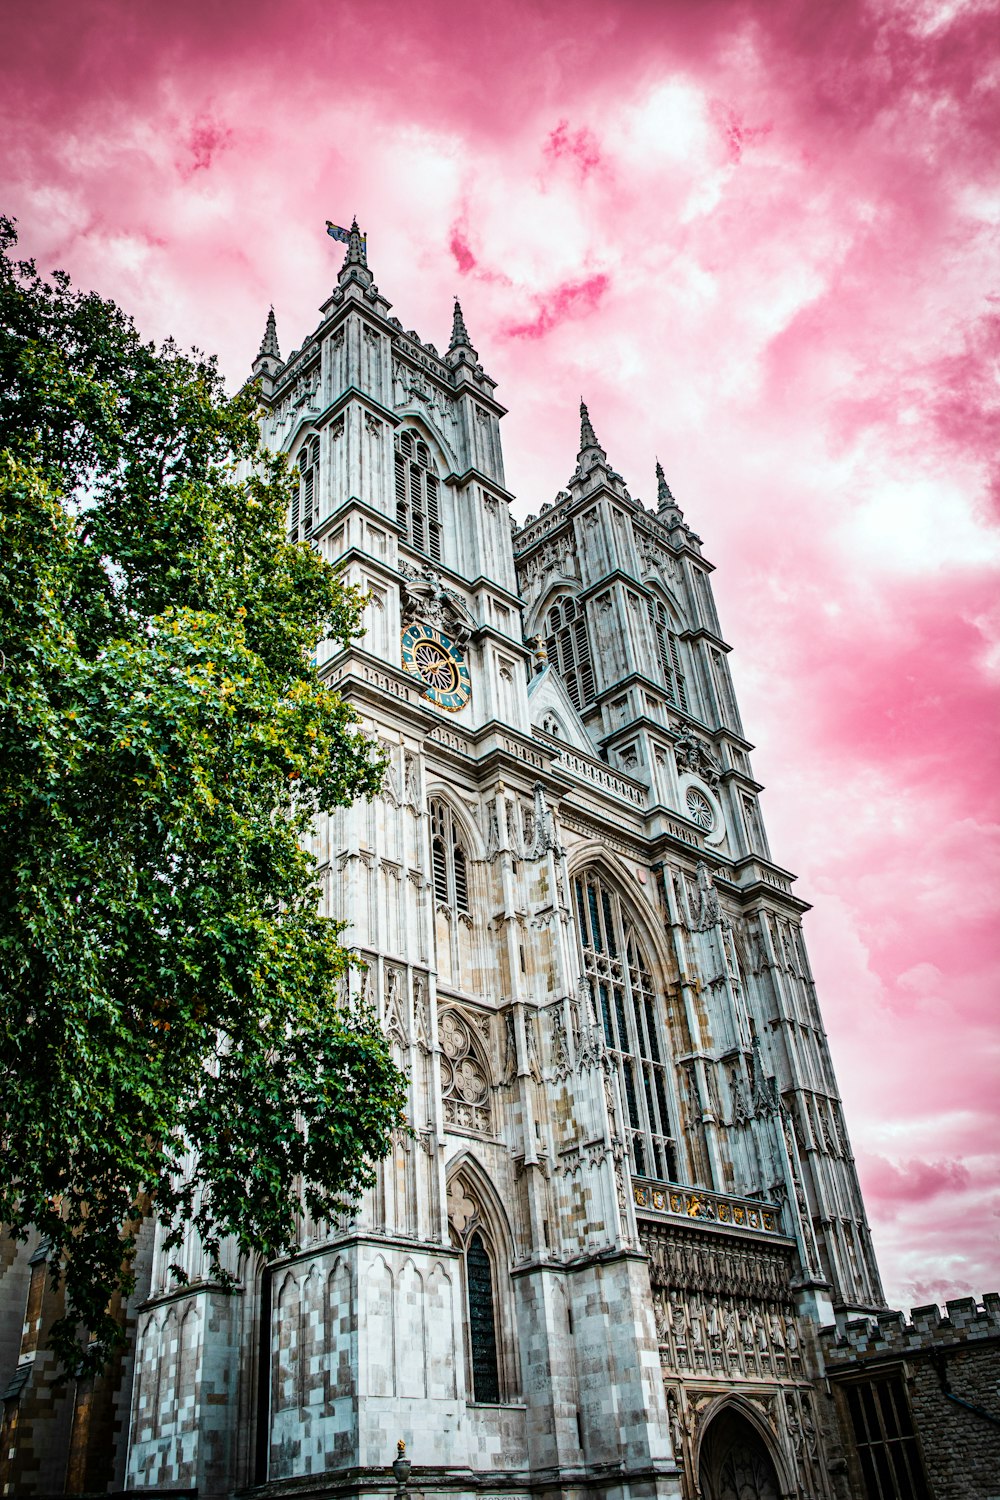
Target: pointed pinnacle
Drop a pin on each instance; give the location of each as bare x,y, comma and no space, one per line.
357,254
269,343
588,437
459,333
664,495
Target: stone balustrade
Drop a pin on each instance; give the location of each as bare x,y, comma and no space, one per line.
697,1204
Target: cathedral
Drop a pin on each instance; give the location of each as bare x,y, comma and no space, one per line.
623,1252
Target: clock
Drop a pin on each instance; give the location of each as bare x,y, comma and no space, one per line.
438,665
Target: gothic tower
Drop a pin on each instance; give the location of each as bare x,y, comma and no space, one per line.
629,1199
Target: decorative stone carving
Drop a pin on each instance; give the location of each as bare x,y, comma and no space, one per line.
709,911
555,558
465,1086
390,786
654,558
462,1209
426,598
558,1047
394,1019
421,1013
411,781
694,755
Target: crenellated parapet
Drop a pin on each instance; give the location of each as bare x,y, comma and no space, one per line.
964,1321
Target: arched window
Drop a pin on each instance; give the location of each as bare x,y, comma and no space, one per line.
482,1321
628,1007
668,650
417,506
488,1332
448,863
305,501
568,647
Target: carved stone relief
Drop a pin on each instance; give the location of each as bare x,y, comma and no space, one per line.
465,1086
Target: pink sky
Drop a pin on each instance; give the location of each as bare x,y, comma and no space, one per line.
759,238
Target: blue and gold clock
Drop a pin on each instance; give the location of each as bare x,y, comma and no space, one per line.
438,665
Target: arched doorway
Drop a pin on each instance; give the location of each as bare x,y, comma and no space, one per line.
735,1463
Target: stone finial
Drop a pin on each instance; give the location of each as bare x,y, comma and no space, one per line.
588,437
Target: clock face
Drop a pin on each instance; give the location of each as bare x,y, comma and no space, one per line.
438,665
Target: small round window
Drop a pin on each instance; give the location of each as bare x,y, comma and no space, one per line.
699,809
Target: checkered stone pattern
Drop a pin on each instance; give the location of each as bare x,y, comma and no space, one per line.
313,1353
184,1393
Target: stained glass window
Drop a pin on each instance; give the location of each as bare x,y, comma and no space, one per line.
482,1322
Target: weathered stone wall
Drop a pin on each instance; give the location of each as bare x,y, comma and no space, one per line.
939,1356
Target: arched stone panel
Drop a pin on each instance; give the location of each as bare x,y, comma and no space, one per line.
411,1340
380,1330
738,1457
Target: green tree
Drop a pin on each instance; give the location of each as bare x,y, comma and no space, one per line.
170,1029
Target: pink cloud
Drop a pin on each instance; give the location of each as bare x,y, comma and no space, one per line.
809,341
578,146
205,139
459,247
911,1181
574,299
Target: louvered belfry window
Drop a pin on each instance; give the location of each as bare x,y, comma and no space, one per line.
304,510
628,1009
449,867
568,646
668,650
418,510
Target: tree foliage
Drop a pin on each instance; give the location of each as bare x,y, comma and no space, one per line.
170,1027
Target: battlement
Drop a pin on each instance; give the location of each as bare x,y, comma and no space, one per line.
964,1322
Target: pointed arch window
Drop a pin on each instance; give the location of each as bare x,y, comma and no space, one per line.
568,646
449,866
482,1321
668,649
489,1330
629,1011
418,508
305,500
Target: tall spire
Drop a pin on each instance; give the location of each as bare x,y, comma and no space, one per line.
666,506
269,343
355,268
459,333
357,249
268,361
588,437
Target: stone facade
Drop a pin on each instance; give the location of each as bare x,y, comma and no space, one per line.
600,1263
920,1395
